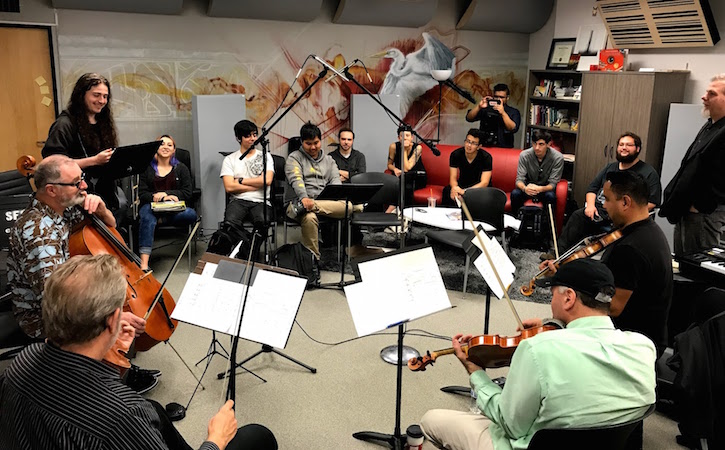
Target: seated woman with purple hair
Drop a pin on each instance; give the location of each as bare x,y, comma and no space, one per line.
165,180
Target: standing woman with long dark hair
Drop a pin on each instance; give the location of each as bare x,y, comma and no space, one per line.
85,132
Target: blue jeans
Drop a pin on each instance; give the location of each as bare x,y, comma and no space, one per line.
519,197
148,220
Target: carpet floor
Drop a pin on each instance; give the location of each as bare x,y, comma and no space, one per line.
451,262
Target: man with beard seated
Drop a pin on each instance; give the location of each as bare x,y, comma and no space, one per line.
593,219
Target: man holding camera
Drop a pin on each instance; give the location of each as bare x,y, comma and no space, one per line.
499,121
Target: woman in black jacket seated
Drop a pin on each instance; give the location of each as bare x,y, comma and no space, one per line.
165,180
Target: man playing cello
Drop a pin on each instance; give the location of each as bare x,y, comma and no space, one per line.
39,244
588,374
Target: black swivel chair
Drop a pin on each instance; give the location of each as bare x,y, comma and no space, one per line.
374,215
485,205
611,437
12,337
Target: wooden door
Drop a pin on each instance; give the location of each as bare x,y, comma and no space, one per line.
595,118
633,107
27,97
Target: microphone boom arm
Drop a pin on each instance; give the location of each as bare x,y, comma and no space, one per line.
462,92
427,142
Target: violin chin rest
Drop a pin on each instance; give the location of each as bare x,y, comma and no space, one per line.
175,411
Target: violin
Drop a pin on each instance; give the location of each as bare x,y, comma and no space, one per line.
145,296
591,246
487,350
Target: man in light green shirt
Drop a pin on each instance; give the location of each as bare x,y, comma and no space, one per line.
588,374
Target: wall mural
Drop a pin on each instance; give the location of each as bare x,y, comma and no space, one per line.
154,94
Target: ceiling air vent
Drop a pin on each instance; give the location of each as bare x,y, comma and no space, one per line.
659,23
10,6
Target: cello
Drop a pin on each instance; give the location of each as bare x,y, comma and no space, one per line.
145,296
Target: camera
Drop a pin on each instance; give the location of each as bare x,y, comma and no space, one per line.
493,103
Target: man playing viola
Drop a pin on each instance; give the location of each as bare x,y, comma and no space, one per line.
640,260
59,394
588,374
39,241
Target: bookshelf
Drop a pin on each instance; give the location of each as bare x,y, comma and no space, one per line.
551,105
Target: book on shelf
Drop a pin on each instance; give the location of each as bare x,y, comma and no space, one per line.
555,89
550,116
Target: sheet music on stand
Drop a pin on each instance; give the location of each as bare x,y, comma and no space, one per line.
396,287
504,266
213,303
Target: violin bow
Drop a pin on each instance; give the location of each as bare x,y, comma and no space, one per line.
231,389
490,261
553,231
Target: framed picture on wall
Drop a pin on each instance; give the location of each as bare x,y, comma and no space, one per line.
560,54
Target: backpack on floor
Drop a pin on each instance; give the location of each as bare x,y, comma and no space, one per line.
296,257
223,241
533,229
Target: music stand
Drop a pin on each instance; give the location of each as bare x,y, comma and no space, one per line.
131,159
396,287
351,193
266,348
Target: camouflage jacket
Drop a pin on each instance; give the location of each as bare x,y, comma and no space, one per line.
38,244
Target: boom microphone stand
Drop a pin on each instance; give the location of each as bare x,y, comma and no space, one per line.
427,142
392,354
262,139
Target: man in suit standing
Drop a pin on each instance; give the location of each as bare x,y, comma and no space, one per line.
695,198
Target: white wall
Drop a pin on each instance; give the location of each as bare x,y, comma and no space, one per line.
702,63
143,51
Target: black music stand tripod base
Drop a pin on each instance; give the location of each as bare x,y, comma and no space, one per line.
266,349
355,194
213,349
396,440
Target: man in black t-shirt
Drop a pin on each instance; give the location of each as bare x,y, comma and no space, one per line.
640,260
470,168
593,219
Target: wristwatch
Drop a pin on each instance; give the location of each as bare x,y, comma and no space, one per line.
241,179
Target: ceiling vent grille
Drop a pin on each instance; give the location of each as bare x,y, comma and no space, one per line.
11,6
659,23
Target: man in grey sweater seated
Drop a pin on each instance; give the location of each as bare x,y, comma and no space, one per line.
308,171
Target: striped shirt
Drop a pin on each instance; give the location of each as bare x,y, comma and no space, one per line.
53,399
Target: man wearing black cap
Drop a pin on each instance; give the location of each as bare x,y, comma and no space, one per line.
588,374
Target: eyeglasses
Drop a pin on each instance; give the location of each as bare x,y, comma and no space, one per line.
77,184
501,97
470,142
623,144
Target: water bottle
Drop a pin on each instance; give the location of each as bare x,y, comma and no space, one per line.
414,438
474,406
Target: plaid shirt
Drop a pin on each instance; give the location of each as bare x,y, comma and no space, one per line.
38,244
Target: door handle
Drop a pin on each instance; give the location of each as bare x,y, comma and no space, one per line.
605,151
611,151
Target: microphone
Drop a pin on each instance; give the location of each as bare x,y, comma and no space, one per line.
343,70
461,92
329,67
433,148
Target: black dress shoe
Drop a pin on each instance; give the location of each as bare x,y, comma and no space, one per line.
175,411
153,372
139,382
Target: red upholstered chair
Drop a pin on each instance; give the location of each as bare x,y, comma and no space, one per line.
503,176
